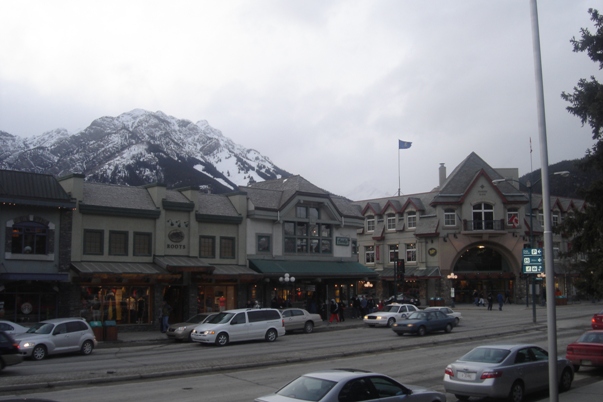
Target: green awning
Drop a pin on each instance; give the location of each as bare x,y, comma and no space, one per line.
312,269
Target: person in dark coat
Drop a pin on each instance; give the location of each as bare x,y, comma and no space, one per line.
334,310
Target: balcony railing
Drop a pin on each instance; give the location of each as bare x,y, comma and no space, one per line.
480,225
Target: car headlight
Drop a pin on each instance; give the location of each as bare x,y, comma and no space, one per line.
28,344
209,332
180,329
411,325
379,317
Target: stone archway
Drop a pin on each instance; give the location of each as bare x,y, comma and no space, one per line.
484,267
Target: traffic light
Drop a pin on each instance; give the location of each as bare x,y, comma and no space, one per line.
400,270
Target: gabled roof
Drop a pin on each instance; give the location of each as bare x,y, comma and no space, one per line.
117,196
373,207
33,189
415,202
276,194
216,205
464,176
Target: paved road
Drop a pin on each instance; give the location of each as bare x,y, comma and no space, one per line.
135,362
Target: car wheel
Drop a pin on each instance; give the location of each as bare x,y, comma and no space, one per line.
222,339
576,368
189,338
87,348
448,328
39,352
456,321
271,335
391,322
461,397
566,380
516,393
309,327
422,331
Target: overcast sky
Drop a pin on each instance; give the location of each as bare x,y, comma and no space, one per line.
324,88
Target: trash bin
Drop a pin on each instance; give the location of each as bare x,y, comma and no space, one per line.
97,328
110,331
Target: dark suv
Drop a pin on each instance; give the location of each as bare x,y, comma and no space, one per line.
9,351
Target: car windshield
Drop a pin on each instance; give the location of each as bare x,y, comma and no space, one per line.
392,309
486,355
220,318
40,328
417,316
591,337
307,388
197,318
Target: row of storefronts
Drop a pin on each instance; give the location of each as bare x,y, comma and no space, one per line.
115,253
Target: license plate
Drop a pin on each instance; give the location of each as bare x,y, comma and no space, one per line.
465,376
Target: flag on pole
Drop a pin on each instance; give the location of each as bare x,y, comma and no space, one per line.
404,144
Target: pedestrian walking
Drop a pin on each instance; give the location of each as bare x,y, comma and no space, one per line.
166,309
334,309
501,300
490,300
341,311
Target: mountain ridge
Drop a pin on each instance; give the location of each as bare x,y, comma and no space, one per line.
141,147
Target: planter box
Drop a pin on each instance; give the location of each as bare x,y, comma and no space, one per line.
561,301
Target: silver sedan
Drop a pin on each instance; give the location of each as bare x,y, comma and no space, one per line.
504,371
347,385
300,320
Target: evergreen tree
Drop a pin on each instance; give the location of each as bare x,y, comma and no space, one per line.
585,228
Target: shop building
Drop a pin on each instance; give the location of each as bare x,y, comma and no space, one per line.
36,215
473,225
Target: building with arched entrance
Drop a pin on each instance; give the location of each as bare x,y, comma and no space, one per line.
474,225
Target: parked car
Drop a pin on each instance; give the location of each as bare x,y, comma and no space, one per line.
182,331
11,328
300,319
390,315
449,312
404,299
344,385
9,351
586,350
240,325
59,335
597,320
504,371
422,322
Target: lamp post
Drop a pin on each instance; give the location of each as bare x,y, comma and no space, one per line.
452,277
530,187
285,281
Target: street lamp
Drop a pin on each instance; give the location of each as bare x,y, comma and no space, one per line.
452,277
530,187
286,280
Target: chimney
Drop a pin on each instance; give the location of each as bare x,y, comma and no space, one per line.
442,174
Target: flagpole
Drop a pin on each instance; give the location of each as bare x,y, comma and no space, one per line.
398,170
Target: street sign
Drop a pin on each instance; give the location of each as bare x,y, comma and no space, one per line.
532,260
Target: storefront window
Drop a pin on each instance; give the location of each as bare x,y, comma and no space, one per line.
126,305
28,303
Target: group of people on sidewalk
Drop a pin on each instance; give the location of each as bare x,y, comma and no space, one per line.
479,299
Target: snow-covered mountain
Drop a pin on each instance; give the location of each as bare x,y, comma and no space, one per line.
141,147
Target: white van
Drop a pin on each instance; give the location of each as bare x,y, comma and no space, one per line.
240,325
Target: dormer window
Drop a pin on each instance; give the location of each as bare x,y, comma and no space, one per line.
391,222
370,224
411,219
555,218
449,217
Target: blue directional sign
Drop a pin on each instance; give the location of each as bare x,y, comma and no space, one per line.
532,260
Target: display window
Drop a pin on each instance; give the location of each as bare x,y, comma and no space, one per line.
124,305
